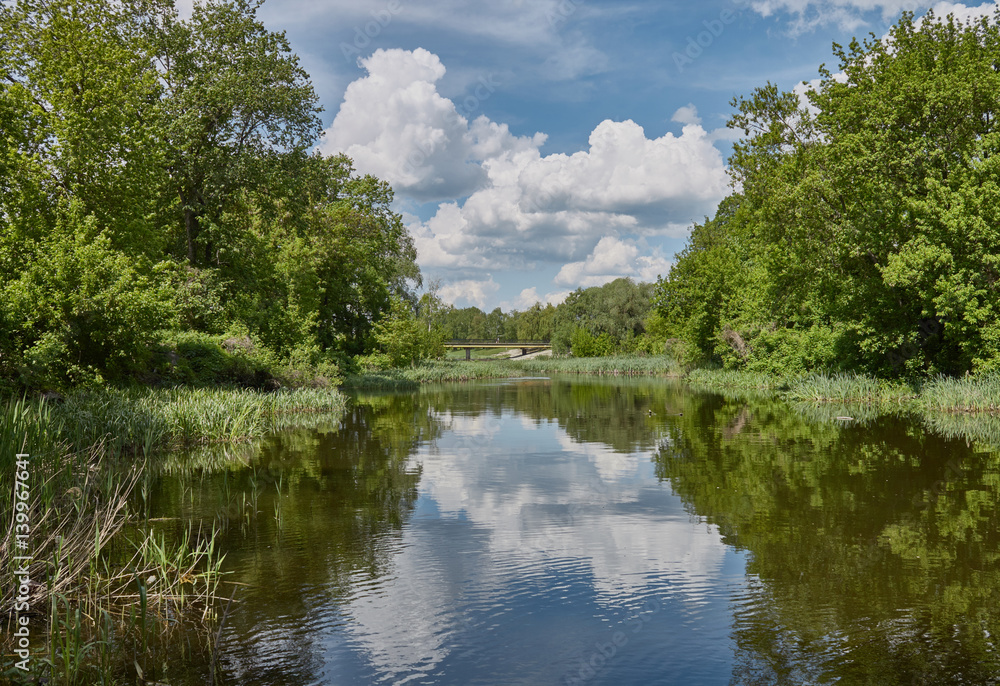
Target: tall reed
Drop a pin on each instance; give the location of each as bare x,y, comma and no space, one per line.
139,421
446,370
849,388
962,394
87,455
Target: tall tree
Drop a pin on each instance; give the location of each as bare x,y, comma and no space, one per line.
235,101
867,219
78,73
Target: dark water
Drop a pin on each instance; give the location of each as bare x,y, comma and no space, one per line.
587,531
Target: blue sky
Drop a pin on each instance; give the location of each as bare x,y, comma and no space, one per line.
538,146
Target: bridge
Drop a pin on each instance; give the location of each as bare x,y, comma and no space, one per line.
525,347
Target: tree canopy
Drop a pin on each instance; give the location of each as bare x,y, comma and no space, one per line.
157,175
600,320
864,233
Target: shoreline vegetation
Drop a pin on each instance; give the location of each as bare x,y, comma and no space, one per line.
89,455
163,289
953,395
964,395
437,371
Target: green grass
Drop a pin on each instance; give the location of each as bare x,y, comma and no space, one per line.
849,388
446,370
83,473
734,379
623,365
940,395
962,394
140,421
458,354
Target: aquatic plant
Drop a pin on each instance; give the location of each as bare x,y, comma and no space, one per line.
848,388
440,371
962,394
731,378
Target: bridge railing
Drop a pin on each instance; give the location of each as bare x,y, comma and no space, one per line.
498,342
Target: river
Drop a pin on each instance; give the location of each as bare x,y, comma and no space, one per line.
600,531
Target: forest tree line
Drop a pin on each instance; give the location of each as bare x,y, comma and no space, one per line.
159,197
164,216
616,318
863,233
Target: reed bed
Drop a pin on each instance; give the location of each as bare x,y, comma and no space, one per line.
962,394
624,365
973,394
849,388
445,370
83,472
853,414
111,627
146,420
735,379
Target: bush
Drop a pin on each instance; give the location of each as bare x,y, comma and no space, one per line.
401,340
783,351
200,359
80,311
584,344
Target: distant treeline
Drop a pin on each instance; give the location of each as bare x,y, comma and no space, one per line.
865,231
615,318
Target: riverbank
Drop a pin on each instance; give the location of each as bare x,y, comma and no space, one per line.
940,394
90,452
964,395
83,460
442,370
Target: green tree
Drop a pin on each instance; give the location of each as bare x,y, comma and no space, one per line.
80,98
178,148
865,232
401,340
83,310
616,309
82,175
536,323
237,112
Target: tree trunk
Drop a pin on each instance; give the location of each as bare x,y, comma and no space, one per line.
191,229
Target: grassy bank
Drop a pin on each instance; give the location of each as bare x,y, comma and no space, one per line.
940,394
980,394
445,370
86,454
140,421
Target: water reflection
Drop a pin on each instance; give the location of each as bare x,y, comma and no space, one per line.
873,548
601,531
315,515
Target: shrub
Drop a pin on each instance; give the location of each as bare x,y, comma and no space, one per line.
199,359
80,310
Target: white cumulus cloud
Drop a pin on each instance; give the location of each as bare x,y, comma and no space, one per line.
506,204
469,292
612,259
394,124
529,297
687,115
848,15
965,13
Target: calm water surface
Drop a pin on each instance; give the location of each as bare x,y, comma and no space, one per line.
588,531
